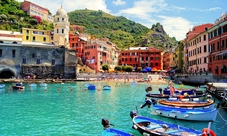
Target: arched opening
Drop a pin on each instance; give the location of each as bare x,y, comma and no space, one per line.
14,42
216,70
1,42
223,69
6,74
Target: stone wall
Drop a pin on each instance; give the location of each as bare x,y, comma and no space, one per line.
39,61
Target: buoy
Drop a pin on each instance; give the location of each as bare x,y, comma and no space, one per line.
207,132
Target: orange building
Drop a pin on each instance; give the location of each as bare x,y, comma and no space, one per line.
141,57
218,47
166,61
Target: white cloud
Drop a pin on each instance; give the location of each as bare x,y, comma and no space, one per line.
143,8
119,2
176,26
71,5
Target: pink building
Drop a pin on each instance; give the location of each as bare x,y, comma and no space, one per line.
197,49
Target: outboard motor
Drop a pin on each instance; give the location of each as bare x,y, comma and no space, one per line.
160,90
133,114
105,123
148,103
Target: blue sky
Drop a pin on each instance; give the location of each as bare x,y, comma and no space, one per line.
177,16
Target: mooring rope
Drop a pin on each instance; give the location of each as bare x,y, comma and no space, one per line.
222,117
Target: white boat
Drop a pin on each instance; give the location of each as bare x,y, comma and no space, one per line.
18,86
2,86
106,87
43,84
32,85
185,113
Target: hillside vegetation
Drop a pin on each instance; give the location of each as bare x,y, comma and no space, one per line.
125,33
13,18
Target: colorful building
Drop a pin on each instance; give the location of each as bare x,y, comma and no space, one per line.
98,52
141,57
36,35
198,53
10,37
196,41
61,28
218,47
33,9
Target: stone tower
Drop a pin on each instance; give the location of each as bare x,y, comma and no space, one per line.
61,28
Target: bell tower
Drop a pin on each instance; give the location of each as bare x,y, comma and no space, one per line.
61,28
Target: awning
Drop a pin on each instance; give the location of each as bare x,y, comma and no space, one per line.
221,53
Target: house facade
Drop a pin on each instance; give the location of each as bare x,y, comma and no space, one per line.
218,47
33,9
141,57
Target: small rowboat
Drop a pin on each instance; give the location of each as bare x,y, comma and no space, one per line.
185,113
189,104
43,84
2,86
106,87
152,127
33,85
18,86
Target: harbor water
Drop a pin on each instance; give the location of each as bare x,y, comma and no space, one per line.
70,109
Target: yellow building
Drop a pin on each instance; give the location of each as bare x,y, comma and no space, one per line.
35,35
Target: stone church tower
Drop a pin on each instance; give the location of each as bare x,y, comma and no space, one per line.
61,28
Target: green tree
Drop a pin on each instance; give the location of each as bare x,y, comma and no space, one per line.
128,68
105,67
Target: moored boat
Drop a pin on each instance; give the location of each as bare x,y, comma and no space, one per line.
32,85
43,84
106,87
185,113
91,87
152,127
187,104
108,131
18,86
2,86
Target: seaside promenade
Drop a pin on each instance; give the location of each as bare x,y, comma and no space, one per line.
139,77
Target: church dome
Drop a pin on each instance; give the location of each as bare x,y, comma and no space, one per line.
61,12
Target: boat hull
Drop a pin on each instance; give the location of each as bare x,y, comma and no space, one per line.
152,127
114,132
185,114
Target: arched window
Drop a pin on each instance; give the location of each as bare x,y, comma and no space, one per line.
1,42
223,69
14,42
216,70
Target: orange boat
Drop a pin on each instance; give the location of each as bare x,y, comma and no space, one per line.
187,104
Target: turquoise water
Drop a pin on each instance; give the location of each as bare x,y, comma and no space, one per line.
76,111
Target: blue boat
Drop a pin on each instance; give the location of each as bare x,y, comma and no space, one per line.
152,127
185,113
91,87
2,86
106,87
108,131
